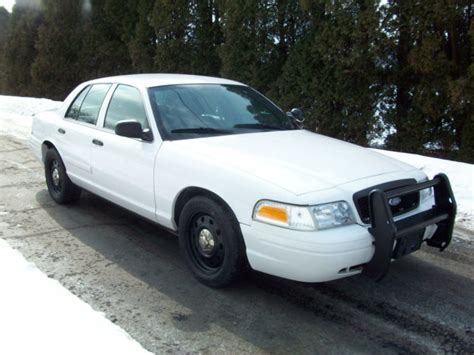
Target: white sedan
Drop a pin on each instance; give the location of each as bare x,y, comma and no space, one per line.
240,181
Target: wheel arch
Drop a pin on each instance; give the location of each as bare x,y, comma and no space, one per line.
45,146
192,191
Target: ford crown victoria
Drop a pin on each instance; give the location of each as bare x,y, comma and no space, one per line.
240,181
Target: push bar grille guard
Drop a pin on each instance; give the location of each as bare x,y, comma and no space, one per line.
391,237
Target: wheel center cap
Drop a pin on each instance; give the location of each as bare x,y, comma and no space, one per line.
206,241
55,176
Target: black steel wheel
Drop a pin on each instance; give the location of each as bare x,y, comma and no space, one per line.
60,187
206,243
211,242
56,176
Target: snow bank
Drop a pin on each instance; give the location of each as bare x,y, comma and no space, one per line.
39,316
16,113
15,119
461,176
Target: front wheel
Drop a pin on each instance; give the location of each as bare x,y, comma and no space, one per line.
211,242
60,187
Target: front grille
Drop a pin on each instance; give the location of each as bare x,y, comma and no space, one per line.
405,204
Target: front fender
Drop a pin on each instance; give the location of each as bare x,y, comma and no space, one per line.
176,170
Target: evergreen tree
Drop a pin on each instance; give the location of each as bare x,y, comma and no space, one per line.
142,45
207,37
466,151
19,47
332,72
429,77
172,24
285,23
4,18
56,69
352,65
239,53
107,30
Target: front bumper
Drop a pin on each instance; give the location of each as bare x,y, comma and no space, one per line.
307,256
393,239
345,251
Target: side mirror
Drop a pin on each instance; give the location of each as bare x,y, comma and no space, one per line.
297,115
132,129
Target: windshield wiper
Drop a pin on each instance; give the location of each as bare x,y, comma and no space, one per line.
258,126
201,130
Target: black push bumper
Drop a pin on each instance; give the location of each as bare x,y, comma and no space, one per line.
396,239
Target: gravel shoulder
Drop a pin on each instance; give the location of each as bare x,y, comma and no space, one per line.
131,270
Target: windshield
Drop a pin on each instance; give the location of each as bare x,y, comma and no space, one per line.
184,111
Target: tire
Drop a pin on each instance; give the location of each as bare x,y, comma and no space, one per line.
211,242
60,187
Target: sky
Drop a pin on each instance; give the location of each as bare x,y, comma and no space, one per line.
8,4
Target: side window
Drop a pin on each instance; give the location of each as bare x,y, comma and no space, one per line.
126,104
73,111
86,105
91,104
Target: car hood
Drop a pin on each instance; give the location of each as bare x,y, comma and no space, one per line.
298,161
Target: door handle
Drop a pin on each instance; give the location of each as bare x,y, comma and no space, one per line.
62,131
98,142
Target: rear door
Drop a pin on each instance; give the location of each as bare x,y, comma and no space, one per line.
76,130
122,167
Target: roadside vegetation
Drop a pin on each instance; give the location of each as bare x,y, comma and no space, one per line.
401,70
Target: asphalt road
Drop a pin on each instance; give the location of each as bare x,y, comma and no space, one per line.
132,270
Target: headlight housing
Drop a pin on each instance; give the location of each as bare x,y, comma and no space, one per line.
304,218
426,193
332,215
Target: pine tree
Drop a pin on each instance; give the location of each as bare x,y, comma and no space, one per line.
239,53
352,65
106,32
56,69
285,23
207,37
4,19
171,21
142,45
332,72
466,151
431,96
19,47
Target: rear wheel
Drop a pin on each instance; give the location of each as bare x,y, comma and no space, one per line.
211,242
60,187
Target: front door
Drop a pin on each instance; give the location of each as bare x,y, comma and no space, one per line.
122,167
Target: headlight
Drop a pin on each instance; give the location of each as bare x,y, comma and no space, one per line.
426,193
332,215
304,218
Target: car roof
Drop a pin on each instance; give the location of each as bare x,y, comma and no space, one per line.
151,80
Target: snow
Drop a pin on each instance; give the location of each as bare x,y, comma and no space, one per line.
16,113
461,176
39,316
